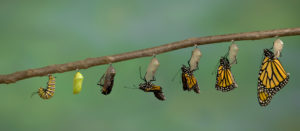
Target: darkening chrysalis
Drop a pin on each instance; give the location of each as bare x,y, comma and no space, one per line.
107,80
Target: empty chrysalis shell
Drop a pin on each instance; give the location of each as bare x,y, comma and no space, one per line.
277,47
152,67
195,59
77,83
233,50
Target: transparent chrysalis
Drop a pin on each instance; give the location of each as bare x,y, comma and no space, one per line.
152,67
195,58
277,47
233,51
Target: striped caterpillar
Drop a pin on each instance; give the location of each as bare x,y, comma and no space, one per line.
47,93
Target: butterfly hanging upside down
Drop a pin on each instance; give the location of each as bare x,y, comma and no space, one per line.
189,81
47,93
225,80
150,87
149,77
272,78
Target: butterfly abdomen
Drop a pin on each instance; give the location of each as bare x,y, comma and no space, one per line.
160,96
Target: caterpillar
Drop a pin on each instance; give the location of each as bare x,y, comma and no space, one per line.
47,93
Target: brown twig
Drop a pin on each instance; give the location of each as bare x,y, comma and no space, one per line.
89,62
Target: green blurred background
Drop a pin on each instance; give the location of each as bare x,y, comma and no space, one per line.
35,34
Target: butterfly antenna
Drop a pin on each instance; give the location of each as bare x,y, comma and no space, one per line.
262,57
272,45
175,75
215,70
140,70
227,53
153,79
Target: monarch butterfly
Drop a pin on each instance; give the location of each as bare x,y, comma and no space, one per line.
107,80
271,78
150,87
225,80
47,93
189,82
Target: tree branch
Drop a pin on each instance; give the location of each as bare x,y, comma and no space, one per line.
90,62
